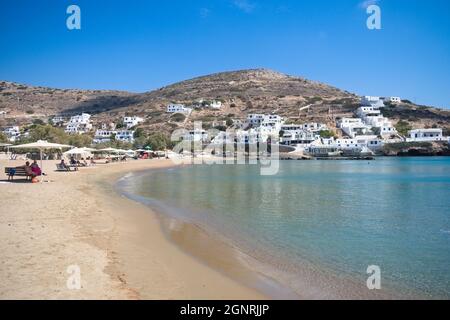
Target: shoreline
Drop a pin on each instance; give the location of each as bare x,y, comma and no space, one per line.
118,244
251,266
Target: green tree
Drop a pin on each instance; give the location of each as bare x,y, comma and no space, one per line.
3,138
159,141
79,140
326,134
403,127
178,117
38,122
139,132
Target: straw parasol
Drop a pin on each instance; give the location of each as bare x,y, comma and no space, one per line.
78,151
41,145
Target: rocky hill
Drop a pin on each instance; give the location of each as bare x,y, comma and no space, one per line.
241,92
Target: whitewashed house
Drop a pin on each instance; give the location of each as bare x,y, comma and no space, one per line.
216,105
425,135
372,117
12,133
315,127
255,120
393,100
197,135
372,101
79,124
58,120
178,108
353,127
131,122
102,136
125,136
300,137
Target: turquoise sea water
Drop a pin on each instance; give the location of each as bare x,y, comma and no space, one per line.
340,215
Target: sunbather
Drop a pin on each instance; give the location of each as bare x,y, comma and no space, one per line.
64,165
28,169
35,169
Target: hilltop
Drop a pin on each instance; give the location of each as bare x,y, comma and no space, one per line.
241,92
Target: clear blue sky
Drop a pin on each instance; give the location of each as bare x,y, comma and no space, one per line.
139,45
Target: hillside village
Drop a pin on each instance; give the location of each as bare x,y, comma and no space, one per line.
245,107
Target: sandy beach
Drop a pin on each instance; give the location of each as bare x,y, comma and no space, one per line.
77,219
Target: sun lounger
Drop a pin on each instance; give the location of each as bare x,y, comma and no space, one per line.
60,167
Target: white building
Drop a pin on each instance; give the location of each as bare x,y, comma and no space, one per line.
215,105
57,120
102,136
178,108
12,133
315,127
425,135
125,136
372,117
79,124
255,120
209,104
369,100
131,122
394,100
354,127
239,136
196,135
298,137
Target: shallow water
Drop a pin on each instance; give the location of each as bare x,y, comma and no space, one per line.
341,216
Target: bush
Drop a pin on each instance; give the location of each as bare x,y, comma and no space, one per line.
326,134
29,111
403,127
159,141
178,117
3,138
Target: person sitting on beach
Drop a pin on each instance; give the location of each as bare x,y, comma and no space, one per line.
73,162
35,169
28,169
64,165
93,161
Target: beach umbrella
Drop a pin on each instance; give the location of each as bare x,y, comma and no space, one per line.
77,151
108,150
5,144
41,145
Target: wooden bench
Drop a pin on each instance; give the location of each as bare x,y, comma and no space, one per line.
20,172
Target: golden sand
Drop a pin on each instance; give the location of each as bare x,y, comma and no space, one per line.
77,219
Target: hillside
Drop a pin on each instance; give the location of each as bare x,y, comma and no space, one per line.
242,92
